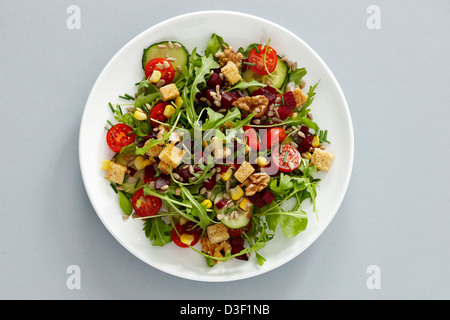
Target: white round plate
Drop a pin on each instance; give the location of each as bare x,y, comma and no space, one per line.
329,108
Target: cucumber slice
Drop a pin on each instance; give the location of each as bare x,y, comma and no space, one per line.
180,54
241,221
276,78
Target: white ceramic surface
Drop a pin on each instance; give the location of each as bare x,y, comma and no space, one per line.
329,108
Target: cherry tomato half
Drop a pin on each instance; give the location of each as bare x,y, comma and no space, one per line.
288,159
188,228
273,136
119,136
167,73
263,65
252,137
145,205
157,113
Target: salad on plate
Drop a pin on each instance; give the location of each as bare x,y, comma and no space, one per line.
216,148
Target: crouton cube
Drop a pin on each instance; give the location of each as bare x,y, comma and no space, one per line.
153,151
299,96
231,73
172,155
164,167
116,172
244,171
217,233
169,92
322,159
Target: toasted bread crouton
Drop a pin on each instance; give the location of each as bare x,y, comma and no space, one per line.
299,96
164,167
244,171
217,233
231,73
169,92
116,172
153,151
322,159
172,155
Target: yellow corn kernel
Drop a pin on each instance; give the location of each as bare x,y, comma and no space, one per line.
262,161
245,204
227,174
315,142
207,203
169,111
138,203
236,193
155,77
105,165
179,102
183,220
140,162
295,114
187,238
140,115
307,154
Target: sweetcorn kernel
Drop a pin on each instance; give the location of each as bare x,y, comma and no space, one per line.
140,115
105,164
236,193
156,76
207,203
262,161
245,204
169,111
140,162
315,142
179,102
227,174
187,238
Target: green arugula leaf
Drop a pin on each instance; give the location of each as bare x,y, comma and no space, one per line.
243,85
207,64
214,45
296,76
158,231
311,94
125,203
284,185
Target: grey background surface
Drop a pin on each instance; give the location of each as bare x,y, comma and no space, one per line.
394,216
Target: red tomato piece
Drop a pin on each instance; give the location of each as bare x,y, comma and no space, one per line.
119,136
167,73
264,62
252,137
273,137
145,205
157,113
288,159
187,228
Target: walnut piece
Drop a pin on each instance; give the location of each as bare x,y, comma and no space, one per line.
256,182
216,250
229,55
249,104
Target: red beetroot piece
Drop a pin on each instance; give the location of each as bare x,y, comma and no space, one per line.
237,245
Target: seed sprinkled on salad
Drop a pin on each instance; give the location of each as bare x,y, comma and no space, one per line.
213,146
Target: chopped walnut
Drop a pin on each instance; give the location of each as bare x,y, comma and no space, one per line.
249,104
255,183
229,55
216,250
